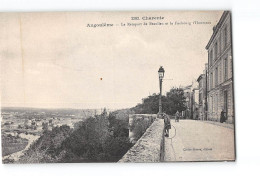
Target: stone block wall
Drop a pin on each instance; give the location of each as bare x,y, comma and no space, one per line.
150,147
137,120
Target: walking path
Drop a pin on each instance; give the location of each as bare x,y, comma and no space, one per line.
227,125
199,141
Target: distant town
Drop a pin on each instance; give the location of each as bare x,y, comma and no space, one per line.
29,123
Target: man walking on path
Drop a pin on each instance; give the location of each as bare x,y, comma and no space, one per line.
177,116
222,116
167,124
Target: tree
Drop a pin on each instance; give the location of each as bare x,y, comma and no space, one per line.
118,127
86,143
173,101
44,126
100,139
149,105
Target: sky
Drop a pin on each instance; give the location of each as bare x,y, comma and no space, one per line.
53,60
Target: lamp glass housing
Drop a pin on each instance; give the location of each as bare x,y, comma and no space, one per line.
160,75
161,72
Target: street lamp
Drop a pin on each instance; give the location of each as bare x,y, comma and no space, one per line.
161,75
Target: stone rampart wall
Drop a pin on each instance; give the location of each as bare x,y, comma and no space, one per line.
150,147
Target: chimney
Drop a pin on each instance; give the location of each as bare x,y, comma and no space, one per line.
214,28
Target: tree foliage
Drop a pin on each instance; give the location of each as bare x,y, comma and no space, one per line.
102,138
47,147
173,101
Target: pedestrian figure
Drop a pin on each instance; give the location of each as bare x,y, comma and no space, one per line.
196,114
222,116
177,116
167,124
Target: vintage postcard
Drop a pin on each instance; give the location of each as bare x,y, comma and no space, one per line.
145,86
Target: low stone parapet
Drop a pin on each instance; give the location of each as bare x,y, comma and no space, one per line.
150,147
138,124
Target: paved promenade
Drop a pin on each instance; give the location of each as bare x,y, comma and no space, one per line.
199,141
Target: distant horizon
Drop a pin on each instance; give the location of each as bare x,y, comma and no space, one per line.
91,108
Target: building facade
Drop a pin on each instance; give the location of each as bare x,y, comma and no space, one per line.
191,94
187,94
202,80
195,103
220,71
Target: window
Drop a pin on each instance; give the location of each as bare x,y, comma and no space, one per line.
211,80
200,98
212,108
216,50
211,57
216,76
216,103
225,69
231,65
225,36
226,102
220,74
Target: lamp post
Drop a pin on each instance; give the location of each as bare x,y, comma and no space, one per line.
161,75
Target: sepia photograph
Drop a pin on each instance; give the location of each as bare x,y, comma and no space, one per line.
117,87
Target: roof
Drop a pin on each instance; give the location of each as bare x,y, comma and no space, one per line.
217,27
200,77
187,87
